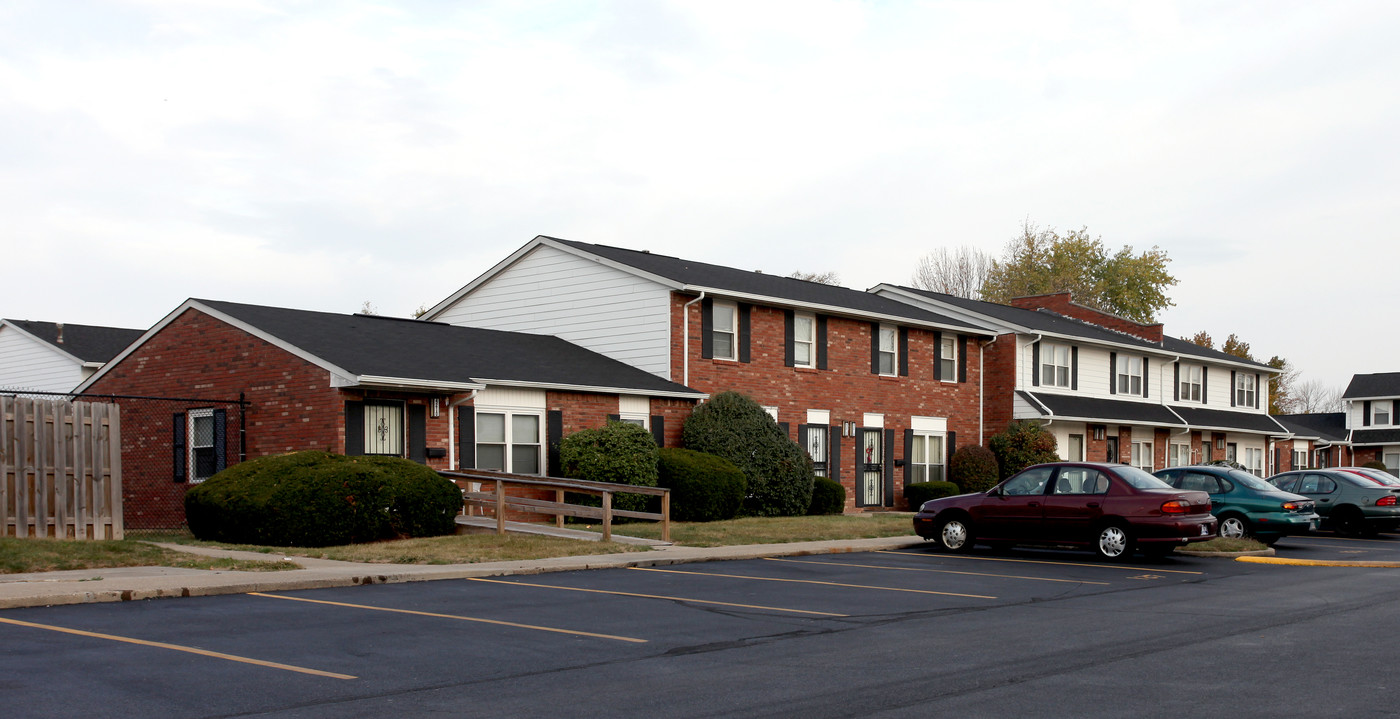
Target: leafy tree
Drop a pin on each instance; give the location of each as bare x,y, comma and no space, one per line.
959,272
973,468
822,278
1022,444
735,427
1132,285
1237,347
1203,339
1281,399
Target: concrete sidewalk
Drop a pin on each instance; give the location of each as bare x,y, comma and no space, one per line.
130,583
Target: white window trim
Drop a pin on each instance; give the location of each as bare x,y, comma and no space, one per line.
931,459
1182,452
810,340
1049,354
1379,409
893,351
1145,460
190,474
509,413
772,411
1244,389
1129,368
1191,380
732,330
951,357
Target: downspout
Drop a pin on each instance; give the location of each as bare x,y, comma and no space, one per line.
452,430
685,343
1185,425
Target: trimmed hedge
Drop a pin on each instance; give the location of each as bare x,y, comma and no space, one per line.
618,452
1023,443
703,487
779,473
973,468
921,492
828,497
1373,464
318,499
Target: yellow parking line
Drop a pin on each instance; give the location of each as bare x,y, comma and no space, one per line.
1317,562
1040,561
451,616
936,571
812,581
179,648
658,596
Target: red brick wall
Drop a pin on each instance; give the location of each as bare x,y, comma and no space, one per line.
1064,304
999,393
848,389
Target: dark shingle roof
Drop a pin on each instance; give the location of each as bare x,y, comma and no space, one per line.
1384,384
1200,417
413,349
1375,436
1324,425
729,279
1094,408
1046,321
89,343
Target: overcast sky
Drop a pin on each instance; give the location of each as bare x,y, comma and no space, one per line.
320,154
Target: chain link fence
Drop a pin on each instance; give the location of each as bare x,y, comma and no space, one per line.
168,444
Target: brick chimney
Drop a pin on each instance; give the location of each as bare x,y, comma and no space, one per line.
1062,303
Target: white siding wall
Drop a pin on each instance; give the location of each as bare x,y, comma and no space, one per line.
556,293
27,363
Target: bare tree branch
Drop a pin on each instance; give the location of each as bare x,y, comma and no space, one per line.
960,272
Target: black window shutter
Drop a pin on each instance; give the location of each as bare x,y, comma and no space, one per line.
1176,381
952,447
802,439
744,331
1074,368
707,328
1145,375
1233,392
833,451
889,468
466,437
1278,460
874,348
658,429
614,418
908,456
962,358
354,428
789,334
1258,390
1366,413
903,351
937,355
1205,376
1112,373
1395,411
418,433
787,429
220,440
553,435
1035,365
821,342
177,445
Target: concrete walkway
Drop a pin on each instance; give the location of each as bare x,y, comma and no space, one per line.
130,583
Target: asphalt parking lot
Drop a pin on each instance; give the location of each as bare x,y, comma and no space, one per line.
898,633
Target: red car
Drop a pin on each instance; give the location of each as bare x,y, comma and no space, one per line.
1113,508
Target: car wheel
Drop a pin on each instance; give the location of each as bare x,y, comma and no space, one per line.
1113,542
954,535
1348,521
1233,526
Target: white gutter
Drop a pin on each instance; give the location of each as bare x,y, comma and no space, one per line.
685,348
405,383
589,388
452,429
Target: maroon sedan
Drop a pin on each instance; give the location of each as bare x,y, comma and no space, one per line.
1113,508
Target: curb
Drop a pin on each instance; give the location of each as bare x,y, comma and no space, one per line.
1265,552
1317,562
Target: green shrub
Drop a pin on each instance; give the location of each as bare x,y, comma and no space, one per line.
828,497
1373,464
1022,444
318,499
973,468
921,492
703,487
737,428
618,452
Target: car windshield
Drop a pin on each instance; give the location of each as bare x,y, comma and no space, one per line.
1139,478
1250,481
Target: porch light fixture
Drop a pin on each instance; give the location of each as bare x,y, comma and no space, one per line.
848,429
1099,433
1220,443
435,408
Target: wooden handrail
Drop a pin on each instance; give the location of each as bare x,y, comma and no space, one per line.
500,502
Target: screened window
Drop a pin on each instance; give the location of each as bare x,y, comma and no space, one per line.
1191,384
947,359
726,330
202,459
889,352
508,442
1244,390
926,459
814,441
384,432
1129,375
1054,366
804,329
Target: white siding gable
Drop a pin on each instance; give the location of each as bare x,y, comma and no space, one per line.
552,292
33,364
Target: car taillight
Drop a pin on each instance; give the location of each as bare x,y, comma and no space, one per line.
1176,506
1386,501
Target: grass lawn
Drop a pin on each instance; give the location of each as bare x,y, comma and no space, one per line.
21,556
458,549
773,530
1225,544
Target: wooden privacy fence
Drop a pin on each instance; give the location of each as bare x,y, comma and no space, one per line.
60,469
474,494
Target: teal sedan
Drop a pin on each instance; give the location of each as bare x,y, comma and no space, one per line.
1246,505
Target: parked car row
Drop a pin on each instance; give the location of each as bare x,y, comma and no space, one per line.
1117,510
